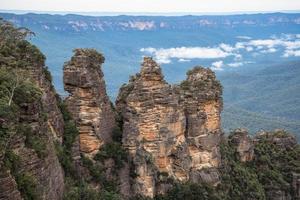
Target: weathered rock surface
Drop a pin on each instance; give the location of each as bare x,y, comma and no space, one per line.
88,102
169,130
49,99
45,120
45,168
8,187
243,144
201,97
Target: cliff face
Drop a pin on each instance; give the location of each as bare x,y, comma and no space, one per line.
88,102
201,97
170,132
36,152
29,158
42,78
30,121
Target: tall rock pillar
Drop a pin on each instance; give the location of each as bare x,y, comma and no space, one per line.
88,102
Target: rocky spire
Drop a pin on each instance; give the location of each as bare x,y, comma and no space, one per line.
151,71
88,101
200,95
168,130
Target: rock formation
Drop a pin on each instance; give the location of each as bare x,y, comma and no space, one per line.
243,144
88,102
42,77
201,97
27,152
170,131
32,145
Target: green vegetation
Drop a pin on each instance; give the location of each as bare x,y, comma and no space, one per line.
47,74
27,186
77,187
238,180
92,54
79,191
17,94
26,182
266,97
32,141
112,150
117,134
190,191
64,151
15,51
274,164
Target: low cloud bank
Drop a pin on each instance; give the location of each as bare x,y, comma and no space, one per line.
289,44
186,53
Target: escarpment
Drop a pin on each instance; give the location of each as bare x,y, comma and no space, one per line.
171,131
88,102
30,121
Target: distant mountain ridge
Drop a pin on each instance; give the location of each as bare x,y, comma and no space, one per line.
77,23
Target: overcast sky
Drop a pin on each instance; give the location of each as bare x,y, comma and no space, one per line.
161,6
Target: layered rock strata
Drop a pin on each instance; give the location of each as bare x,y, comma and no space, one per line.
42,77
243,144
200,96
40,163
170,131
88,102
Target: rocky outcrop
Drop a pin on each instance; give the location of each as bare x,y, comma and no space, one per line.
201,97
153,129
169,131
249,149
88,102
285,143
243,144
32,145
42,77
8,187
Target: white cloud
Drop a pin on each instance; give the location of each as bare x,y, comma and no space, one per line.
217,65
292,44
268,43
239,45
289,53
244,37
288,43
183,60
271,50
226,47
249,49
237,64
165,55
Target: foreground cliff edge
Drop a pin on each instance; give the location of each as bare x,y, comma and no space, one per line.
159,141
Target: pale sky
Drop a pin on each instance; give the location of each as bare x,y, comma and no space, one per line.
160,6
